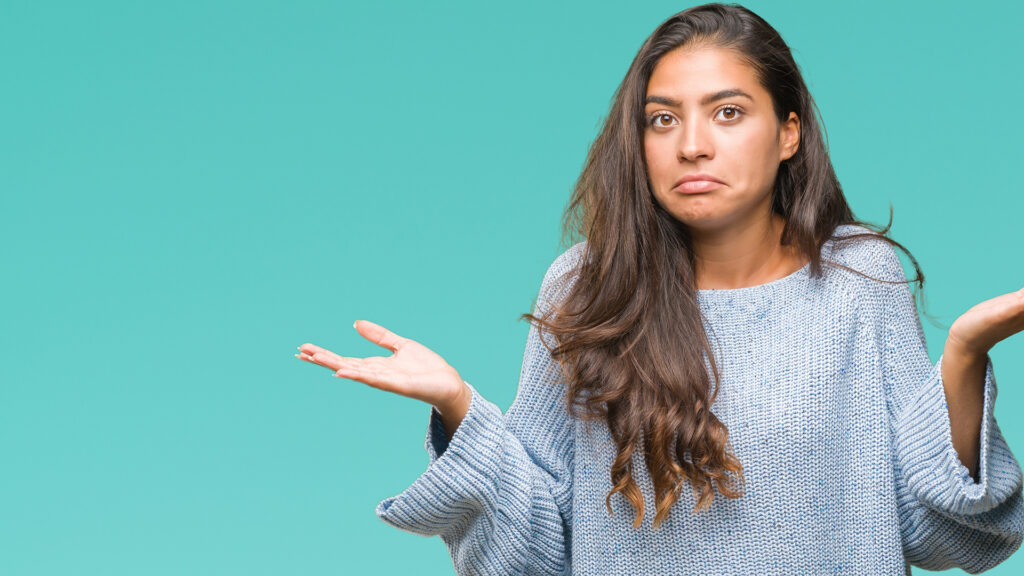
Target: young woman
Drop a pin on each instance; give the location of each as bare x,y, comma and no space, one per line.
726,325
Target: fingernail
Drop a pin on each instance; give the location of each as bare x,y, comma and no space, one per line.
354,324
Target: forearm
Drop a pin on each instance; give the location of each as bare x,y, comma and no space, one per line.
963,378
452,414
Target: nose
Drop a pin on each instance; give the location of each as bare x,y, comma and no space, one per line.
694,141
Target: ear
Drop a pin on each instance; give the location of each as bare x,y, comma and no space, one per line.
789,137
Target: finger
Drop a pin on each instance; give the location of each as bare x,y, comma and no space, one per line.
379,335
328,360
307,358
316,353
373,372
311,349
334,362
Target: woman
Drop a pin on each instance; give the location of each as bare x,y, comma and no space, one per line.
727,325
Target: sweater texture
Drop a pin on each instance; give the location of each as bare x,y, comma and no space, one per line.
834,409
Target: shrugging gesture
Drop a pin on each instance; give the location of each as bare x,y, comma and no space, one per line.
412,370
986,324
964,358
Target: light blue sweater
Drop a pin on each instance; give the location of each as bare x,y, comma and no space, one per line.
833,407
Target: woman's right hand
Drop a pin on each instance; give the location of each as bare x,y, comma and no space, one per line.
412,370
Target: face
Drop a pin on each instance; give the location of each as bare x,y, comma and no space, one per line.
735,138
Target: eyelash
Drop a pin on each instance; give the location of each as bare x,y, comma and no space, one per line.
656,115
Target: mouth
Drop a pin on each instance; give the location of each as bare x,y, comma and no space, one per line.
696,186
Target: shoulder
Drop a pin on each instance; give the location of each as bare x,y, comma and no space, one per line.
561,274
568,261
865,251
565,267
874,278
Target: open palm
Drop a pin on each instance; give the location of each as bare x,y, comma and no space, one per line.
988,323
412,370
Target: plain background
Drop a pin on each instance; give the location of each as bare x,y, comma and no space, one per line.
190,190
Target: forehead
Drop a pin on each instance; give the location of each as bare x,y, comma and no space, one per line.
688,73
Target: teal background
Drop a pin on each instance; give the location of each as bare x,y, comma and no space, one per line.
190,190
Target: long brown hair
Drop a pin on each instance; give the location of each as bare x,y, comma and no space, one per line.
635,289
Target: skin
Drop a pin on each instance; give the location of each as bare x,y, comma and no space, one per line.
412,370
964,357
736,238
737,140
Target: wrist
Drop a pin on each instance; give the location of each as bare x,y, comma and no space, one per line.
962,353
454,411
458,395
456,401
963,349
962,370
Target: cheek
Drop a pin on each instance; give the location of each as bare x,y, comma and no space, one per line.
760,147
658,164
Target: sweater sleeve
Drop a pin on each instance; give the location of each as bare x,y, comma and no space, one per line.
499,491
947,519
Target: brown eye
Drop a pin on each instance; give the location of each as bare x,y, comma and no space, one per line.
733,111
653,119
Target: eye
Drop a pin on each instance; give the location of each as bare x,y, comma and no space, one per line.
734,109
652,120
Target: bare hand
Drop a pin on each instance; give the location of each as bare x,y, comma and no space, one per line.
987,323
413,370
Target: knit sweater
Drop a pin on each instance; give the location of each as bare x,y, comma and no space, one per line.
834,409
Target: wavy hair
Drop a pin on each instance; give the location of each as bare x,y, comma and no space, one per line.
636,291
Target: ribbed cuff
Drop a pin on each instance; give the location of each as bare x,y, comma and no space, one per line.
933,470
460,473
437,437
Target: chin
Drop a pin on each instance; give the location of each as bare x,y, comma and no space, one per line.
702,222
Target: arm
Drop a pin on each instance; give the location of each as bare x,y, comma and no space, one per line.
963,380
964,360
451,416
947,518
499,491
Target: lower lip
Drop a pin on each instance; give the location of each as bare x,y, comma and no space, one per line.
694,186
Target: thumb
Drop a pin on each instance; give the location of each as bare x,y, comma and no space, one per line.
379,335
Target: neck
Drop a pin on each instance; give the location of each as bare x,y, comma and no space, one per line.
747,255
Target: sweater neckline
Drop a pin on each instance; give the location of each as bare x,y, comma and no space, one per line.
758,289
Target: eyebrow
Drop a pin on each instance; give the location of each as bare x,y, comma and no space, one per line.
721,94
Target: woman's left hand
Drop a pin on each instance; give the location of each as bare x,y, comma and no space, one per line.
988,323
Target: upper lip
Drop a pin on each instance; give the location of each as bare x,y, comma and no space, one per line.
697,176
